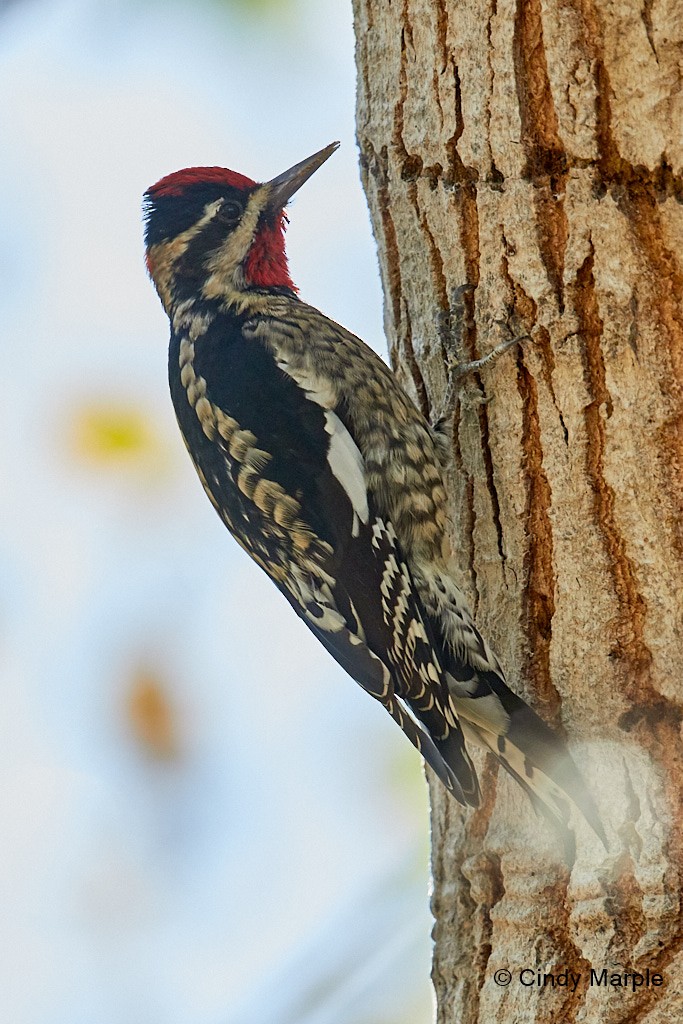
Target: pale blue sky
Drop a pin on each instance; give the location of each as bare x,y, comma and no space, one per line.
293,821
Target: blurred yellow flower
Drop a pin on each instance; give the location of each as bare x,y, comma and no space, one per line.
112,434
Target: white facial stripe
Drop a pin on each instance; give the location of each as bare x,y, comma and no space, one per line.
226,262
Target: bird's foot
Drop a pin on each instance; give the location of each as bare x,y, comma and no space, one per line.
462,369
457,371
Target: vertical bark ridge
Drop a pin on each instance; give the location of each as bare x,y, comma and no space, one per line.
666,277
435,257
560,932
542,340
538,597
546,160
463,181
628,631
486,866
408,352
452,906
467,518
491,480
653,719
375,166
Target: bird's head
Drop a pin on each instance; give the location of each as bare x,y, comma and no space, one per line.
216,232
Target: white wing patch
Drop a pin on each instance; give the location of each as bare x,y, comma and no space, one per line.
346,463
343,456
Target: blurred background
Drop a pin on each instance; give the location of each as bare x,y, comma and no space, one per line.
202,820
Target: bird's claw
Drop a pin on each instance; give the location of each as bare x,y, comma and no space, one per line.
457,371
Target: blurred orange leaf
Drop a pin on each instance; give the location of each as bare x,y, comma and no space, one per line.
151,716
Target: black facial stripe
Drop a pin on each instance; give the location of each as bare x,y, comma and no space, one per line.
206,241
167,216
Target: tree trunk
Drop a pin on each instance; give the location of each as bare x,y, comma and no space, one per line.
522,162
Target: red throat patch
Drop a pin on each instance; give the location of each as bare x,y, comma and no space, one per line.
266,263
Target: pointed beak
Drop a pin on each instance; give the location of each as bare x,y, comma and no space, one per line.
283,187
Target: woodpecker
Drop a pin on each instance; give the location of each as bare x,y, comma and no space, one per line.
328,476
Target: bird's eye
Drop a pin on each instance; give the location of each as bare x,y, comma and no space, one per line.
230,211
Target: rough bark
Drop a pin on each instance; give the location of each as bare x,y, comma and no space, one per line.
522,161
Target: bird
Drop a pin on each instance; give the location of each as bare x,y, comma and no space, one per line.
325,472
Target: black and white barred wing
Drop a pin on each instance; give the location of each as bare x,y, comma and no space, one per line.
291,487
361,604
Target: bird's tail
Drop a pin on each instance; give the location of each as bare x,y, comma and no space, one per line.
448,757
529,750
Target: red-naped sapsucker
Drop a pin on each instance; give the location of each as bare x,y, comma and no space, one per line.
325,472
